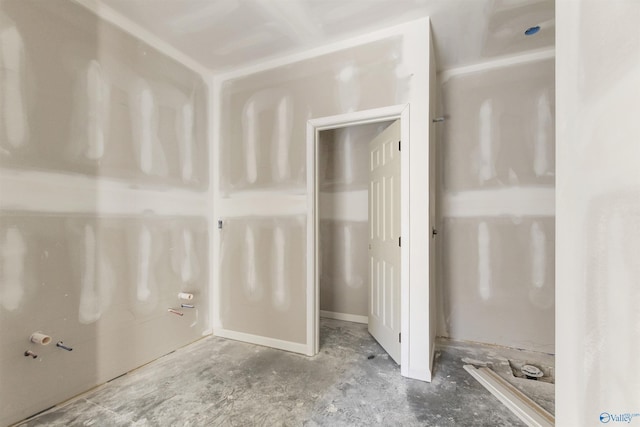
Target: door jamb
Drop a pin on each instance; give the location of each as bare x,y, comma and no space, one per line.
314,127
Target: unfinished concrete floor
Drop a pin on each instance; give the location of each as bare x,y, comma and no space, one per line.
222,382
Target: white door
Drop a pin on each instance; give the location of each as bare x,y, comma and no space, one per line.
384,239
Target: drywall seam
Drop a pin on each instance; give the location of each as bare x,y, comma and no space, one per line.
544,134
258,103
287,59
273,204
12,259
344,316
110,15
538,255
484,262
254,281
293,347
144,113
281,292
487,140
513,201
99,106
13,63
77,193
184,130
97,280
505,61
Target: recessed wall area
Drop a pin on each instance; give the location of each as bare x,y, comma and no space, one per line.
497,183
343,185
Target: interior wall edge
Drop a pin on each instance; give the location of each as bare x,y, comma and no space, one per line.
213,107
215,117
516,201
110,15
504,61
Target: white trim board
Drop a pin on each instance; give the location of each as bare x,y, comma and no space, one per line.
521,405
344,316
293,347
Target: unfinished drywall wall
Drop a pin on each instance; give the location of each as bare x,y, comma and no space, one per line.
263,261
267,112
261,167
498,176
343,202
81,96
598,213
344,270
101,285
103,204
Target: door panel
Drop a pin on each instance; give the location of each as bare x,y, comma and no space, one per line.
384,240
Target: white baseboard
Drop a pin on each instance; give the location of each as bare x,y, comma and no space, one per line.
344,316
293,347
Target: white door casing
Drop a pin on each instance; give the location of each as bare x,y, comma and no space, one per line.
414,358
385,239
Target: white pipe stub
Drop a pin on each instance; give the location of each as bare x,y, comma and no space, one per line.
185,295
40,338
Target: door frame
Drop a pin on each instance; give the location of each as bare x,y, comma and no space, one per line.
314,127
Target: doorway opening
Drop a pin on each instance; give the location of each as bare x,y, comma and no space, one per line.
339,239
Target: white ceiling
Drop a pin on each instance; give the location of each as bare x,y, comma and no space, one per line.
225,34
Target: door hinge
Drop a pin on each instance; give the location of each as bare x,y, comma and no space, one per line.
219,224
399,145
400,337
399,241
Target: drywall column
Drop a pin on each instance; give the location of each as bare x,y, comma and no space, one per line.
104,201
598,213
260,138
